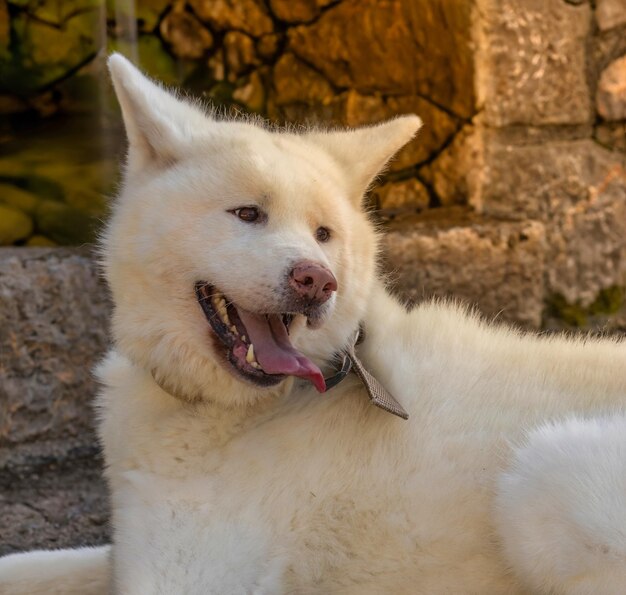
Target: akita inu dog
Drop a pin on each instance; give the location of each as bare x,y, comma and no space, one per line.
242,267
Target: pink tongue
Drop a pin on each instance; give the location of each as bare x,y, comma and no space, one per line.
274,351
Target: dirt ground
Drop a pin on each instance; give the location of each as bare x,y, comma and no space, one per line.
54,507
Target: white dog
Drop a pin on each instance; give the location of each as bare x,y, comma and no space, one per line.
242,266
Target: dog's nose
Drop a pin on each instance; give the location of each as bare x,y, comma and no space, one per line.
312,281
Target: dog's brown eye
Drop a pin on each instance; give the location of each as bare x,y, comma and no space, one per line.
322,234
247,214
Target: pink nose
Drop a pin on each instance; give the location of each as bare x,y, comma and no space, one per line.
312,281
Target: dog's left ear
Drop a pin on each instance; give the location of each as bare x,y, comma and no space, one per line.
158,124
364,152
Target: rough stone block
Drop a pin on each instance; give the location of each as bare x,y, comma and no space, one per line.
295,82
53,310
612,135
539,181
185,35
497,266
269,45
239,54
389,29
438,128
587,243
249,16
455,172
402,195
611,94
252,93
295,11
603,49
610,13
530,61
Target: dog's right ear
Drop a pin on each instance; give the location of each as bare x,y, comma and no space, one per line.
365,151
158,124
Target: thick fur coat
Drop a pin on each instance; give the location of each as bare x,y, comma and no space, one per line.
508,477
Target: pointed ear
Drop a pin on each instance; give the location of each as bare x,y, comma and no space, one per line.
158,124
364,152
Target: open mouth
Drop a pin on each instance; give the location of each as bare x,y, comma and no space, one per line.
257,345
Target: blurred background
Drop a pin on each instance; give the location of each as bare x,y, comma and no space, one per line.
513,196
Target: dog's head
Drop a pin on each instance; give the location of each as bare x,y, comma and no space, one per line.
237,255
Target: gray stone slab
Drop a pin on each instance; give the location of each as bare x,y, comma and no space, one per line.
53,328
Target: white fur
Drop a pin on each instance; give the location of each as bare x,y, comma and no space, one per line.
227,488
47,572
561,507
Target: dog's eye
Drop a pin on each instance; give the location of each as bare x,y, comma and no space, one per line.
322,234
248,214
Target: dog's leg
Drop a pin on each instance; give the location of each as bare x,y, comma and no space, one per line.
561,507
83,571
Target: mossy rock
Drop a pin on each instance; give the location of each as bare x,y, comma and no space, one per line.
64,224
14,225
98,176
85,200
56,12
572,314
39,241
38,186
95,176
609,301
43,187
42,54
19,199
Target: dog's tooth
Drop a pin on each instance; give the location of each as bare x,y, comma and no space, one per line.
223,313
233,329
243,338
250,354
255,365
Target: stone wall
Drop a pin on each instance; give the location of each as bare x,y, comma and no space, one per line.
512,197
549,141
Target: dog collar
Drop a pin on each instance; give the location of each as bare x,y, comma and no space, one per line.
344,361
377,393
